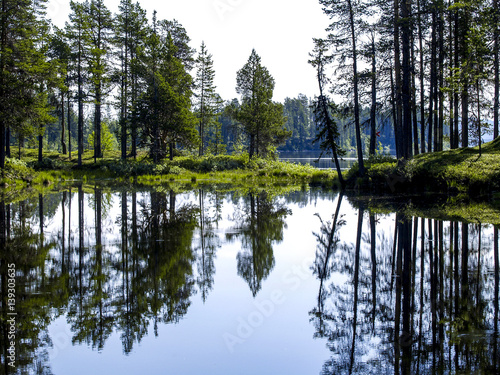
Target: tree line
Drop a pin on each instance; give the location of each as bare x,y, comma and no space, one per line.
415,77
142,68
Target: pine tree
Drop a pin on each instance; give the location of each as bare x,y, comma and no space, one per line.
98,36
345,28
60,50
75,30
24,70
206,98
327,129
130,35
262,118
164,110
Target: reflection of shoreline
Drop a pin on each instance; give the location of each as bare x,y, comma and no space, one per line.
142,259
420,293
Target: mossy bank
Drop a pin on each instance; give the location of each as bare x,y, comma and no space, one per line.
466,172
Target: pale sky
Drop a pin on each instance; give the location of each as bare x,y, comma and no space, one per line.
281,32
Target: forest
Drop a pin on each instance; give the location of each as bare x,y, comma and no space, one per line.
407,78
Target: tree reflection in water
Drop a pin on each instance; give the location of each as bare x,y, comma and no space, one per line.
260,221
396,294
411,304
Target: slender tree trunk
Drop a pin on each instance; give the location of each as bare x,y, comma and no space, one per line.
406,87
456,62
69,126
356,288
406,338
421,79
496,52
97,138
398,120
465,116
125,80
397,131
171,150
40,145
373,248
2,142
373,110
40,140
356,91
433,83
63,141
80,101
3,46
440,93
414,99
464,27
479,130
450,86
133,124
252,145
123,105
7,142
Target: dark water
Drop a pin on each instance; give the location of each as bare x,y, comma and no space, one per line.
205,282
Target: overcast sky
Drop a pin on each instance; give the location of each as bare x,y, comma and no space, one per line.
281,32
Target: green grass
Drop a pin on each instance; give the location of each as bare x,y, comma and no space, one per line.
461,171
456,171
465,170
56,169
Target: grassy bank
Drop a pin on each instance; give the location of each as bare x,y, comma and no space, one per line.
457,172
57,169
465,173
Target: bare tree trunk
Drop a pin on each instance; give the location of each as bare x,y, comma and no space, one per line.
63,141
7,142
356,91
421,78
69,126
414,99
496,37
406,88
373,110
440,93
80,102
398,120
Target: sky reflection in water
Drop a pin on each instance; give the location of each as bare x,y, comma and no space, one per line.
207,282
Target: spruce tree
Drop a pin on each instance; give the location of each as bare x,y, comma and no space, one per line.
206,98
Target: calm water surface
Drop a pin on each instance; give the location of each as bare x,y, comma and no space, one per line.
311,158
159,282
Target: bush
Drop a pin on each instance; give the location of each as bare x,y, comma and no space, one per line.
48,163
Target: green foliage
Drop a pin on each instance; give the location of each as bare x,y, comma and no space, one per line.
108,139
262,119
207,102
164,109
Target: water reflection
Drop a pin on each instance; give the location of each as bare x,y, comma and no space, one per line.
311,158
259,222
410,304
390,293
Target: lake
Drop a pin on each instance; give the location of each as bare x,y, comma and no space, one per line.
311,158
214,281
